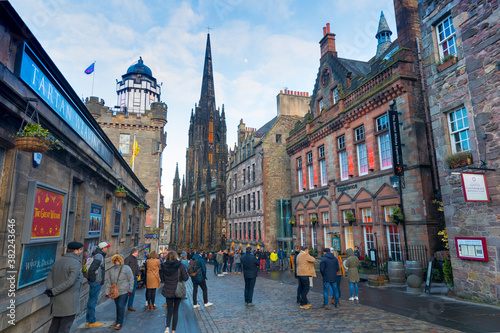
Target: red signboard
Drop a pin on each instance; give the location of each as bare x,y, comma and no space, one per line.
472,248
47,214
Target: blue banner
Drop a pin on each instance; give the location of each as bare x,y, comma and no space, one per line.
45,88
36,263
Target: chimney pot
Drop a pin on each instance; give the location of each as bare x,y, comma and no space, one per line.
281,91
324,31
328,28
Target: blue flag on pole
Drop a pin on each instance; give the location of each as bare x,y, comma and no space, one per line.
90,69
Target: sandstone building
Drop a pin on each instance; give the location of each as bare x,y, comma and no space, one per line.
139,117
341,153
460,52
258,179
198,206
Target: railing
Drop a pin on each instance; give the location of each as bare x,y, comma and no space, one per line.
415,253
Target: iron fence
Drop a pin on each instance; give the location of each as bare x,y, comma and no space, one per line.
386,254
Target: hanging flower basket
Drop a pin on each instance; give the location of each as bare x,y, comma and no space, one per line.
314,220
141,207
120,192
396,215
350,218
292,221
34,138
32,144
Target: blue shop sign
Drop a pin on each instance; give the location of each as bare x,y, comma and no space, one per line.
48,90
36,263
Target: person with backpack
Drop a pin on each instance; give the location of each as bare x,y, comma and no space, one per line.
197,270
96,278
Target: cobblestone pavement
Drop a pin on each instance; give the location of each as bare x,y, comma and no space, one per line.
276,310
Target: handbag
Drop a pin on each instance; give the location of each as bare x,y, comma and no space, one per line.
113,290
180,289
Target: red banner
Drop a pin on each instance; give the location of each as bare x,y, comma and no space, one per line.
47,214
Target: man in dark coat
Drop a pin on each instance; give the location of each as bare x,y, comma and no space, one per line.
329,267
63,287
131,261
200,280
97,271
250,271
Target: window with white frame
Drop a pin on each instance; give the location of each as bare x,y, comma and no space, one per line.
388,213
125,143
302,230
366,214
299,162
360,133
325,217
310,173
459,130
309,157
393,242
349,242
325,238
341,142
382,123
344,166
384,151
321,151
322,172
314,237
446,37
300,180
362,159
321,104
369,238
335,96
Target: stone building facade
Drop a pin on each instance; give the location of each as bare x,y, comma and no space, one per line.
198,207
460,51
144,123
75,184
341,153
258,179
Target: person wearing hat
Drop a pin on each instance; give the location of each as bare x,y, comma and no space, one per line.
63,287
96,280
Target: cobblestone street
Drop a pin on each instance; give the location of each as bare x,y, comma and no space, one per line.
275,310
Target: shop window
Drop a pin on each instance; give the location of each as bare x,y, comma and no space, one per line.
349,242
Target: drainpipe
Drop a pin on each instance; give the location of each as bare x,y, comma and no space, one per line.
427,119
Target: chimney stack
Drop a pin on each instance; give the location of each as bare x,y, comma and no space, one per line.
327,43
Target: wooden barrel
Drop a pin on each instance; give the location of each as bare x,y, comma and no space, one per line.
414,267
396,271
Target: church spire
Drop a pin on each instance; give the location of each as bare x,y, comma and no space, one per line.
207,99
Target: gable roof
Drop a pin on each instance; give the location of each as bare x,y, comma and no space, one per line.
355,66
261,132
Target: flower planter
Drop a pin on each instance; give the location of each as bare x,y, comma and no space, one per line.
141,209
120,194
32,144
446,64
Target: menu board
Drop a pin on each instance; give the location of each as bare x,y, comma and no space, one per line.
472,248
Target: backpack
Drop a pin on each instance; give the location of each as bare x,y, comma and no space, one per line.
192,269
86,265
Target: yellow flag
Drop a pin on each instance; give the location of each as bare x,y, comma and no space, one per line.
135,150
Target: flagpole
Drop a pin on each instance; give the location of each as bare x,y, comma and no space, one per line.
93,77
133,155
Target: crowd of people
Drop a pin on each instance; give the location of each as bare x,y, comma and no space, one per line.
168,270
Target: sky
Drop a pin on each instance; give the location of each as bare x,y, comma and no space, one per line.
259,47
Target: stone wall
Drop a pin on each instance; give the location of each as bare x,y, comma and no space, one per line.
471,83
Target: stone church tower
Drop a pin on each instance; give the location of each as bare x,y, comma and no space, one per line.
198,207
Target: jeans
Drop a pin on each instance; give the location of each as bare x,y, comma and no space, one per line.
249,286
268,263
219,268
61,324
215,267
120,302
132,294
353,285
282,263
339,280
230,267
273,265
94,291
326,287
304,286
299,290
237,268
203,286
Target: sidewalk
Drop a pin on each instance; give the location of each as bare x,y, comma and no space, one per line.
142,320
